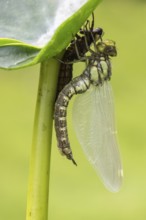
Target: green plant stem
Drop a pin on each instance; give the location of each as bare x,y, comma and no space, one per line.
38,189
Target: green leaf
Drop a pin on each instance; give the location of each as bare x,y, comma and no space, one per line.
33,31
14,55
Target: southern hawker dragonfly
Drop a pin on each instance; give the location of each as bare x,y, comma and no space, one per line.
93,116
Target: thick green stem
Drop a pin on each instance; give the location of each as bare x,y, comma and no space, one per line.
38,189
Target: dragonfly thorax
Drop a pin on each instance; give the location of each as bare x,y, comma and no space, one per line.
100,71
94,76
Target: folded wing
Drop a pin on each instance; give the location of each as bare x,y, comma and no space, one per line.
94,122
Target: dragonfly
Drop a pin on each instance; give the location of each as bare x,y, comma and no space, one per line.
86,36
93,116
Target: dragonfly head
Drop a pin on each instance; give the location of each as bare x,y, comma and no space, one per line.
97,34
107,47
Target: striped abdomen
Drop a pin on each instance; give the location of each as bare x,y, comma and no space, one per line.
78,85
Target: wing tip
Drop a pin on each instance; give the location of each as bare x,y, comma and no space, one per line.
115,185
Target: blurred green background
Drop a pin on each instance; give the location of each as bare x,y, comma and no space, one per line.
77,193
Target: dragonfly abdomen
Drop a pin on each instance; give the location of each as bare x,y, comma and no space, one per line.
78,85
65,74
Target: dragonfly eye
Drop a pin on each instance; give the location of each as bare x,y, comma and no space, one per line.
107,47
110,51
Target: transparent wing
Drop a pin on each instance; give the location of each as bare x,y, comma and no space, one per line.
93,119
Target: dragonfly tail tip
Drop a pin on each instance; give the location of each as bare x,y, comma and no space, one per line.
74,162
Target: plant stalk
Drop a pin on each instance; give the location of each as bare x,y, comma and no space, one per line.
38,188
